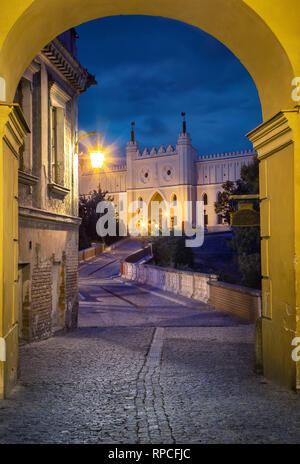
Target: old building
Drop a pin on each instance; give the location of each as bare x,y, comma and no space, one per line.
170,173
48,189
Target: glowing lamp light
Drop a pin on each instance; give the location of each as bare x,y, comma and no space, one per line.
166,214
97,159
96,154
143,224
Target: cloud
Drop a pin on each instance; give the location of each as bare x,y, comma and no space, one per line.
150,69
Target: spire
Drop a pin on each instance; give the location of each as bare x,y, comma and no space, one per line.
183,123
132,131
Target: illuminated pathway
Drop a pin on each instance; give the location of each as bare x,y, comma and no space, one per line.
145,367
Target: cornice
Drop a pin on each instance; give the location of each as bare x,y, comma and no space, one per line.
33,68
72,71
57,91
272,136
58,190
47,216
26,178
16,127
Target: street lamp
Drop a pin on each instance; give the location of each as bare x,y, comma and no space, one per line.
96,153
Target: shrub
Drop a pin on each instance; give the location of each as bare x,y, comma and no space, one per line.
171,252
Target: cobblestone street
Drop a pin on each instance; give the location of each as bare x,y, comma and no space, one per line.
145,367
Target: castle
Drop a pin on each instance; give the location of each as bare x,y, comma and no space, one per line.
167,174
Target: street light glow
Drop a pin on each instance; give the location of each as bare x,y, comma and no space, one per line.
97,159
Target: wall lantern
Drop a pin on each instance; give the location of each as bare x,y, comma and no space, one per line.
97,154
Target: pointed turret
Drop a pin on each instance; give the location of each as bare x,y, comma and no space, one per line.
185,151
132,151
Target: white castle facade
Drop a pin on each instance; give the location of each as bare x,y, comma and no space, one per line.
167,174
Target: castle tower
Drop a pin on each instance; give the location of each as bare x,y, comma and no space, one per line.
186,156
131,153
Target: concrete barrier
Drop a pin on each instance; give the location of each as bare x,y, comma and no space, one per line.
237,300
190,284
96,250
89,253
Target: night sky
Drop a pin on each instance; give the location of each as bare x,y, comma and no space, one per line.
149,70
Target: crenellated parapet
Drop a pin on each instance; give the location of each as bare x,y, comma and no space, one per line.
233,154
115,168
170,150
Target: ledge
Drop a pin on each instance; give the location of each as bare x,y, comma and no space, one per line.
26,178
236,288
58,190
47,216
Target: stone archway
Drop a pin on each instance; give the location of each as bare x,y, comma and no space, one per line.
264,36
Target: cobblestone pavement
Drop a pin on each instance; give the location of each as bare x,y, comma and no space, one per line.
145,367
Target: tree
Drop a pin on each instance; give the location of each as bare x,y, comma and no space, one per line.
246,240
247,184
223,205
87,211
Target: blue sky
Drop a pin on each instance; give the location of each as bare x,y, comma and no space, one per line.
149,70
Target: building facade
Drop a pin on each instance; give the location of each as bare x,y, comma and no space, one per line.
48,189
168,174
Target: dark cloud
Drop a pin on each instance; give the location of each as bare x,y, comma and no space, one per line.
150,69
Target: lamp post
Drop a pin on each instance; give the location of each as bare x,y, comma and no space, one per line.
97,153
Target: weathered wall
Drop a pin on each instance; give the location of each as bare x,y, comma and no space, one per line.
42,247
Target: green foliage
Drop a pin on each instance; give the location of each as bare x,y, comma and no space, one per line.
250,177
250,266
223,205
246,243
172,252
246,240
87,211
247,184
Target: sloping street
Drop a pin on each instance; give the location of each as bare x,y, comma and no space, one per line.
145,367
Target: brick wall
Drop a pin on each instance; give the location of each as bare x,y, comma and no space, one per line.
71,266
37,322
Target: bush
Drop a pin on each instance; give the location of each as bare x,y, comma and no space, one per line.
246,243
246,240
250,267
172,252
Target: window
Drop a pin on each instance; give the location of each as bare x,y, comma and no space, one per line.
140,203
205,218
204,198
174,199
220,219
57,145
